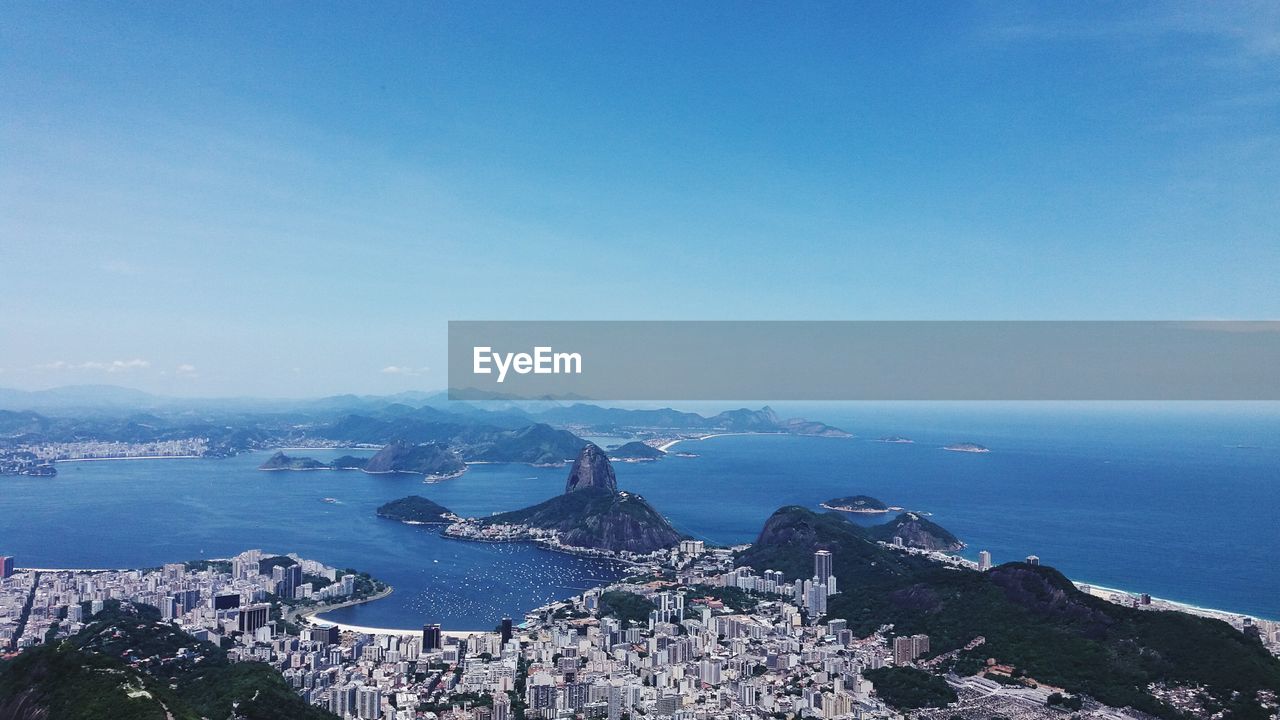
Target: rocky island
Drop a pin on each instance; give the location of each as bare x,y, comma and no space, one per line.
416,510
858,504
967,447
591,515
635,451
898,439
280,461
433,461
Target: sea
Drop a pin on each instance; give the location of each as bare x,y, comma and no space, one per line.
1180,503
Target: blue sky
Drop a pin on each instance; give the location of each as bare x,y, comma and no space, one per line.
293,198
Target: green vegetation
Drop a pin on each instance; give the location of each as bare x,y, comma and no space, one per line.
1031,616
909,688
636,450
415,509
858,503
280,461
626,607
127,664
266,565
1071,702
735,599
916,531
597,517
430,459
222,566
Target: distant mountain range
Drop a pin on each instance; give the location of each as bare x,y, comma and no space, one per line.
538,434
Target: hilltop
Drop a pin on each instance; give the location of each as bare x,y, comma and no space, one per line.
432,460
918,532
593,513
280,461
1032,617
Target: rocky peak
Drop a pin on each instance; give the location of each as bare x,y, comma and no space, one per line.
591,470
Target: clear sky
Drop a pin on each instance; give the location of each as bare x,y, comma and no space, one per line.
292,199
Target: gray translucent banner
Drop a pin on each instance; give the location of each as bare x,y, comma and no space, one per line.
856,360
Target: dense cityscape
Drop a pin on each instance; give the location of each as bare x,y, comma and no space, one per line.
687,636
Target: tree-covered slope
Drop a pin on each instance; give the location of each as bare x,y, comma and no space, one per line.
1030,616
125,665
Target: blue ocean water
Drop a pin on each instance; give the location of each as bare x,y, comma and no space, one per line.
1180,505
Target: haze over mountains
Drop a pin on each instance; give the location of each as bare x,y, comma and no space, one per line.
534,433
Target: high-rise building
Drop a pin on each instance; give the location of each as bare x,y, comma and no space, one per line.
919,645
323,632
906,649
368,703
253,617
501,706
505,631
901,650
1033,560
432,638
6,566
670,607
822,565
342,700
984,561
287,578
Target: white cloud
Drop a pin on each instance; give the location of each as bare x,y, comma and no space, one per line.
404,370
115,366
186,370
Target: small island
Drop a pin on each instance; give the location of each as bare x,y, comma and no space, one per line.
967,447
417,510
280,461
896,439
635,451
864,504
431,460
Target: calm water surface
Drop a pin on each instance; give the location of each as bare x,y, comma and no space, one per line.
1175,507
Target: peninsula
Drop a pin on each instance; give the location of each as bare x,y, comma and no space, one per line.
592,515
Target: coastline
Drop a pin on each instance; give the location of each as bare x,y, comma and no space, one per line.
133,457
308,614
667,445
1165,604
311,615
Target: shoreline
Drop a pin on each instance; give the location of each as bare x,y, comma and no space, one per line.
132,457
310,613
1161,604
313,615
665,446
